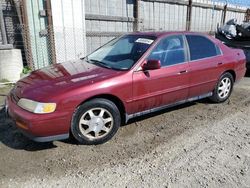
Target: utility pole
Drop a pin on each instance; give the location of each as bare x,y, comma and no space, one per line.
136,15
189,15
247,16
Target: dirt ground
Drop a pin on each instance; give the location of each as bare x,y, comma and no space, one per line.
198,144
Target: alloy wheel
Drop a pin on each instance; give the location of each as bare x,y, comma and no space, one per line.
224,88
96,123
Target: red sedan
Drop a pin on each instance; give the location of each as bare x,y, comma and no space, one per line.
130,76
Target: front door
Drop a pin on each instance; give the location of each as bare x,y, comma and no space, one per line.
167,85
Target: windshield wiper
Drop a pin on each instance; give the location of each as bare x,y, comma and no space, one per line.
86,59
100,63
82,58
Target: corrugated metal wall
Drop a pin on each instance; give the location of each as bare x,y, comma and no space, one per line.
96,29
69,29
232,14
162,16
205,19
169,16
153,15
81,26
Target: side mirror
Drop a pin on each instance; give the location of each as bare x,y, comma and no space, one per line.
151,64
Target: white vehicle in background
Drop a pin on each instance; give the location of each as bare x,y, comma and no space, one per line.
232,30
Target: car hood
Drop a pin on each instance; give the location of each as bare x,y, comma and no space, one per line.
58,78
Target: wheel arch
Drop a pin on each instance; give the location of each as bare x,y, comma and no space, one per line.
232,72
116,100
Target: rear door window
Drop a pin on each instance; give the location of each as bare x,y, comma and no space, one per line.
201,47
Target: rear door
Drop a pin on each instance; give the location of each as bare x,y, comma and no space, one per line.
167,85
206,64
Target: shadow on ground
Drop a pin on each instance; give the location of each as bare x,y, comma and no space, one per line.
247,73
13,138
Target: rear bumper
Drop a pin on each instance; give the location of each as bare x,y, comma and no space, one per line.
37,127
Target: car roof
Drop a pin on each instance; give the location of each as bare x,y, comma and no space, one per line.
164,33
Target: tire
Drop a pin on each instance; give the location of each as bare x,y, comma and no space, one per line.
95,122
224,85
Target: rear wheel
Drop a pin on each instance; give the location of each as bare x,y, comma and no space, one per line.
95,122
223,88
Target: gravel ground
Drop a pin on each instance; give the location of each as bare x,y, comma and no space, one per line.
198,144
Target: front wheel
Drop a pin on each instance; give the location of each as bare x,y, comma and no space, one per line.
223,88
95,122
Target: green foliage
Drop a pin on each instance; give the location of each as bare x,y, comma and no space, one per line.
26,70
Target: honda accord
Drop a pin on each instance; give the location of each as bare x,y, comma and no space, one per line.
130,76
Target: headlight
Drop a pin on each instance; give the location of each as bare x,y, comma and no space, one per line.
37,107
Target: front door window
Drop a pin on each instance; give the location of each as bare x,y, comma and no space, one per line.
169,51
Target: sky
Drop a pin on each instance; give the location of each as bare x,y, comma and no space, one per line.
237,2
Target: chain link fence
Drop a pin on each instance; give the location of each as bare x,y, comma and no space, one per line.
11,26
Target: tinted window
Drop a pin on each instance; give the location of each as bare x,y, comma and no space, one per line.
201,47
169,51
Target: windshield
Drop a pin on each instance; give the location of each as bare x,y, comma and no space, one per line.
121,53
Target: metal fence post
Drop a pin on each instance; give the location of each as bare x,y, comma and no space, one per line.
247,17
51,32
136,15
189,15
26,38
224,15
2,25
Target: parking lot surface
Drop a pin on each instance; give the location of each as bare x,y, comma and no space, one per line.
198,144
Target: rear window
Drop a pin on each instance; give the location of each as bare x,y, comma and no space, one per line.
201,47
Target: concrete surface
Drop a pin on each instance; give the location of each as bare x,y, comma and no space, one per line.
198,144
11,64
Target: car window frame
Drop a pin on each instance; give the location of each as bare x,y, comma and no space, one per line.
221,52
188,48
185,46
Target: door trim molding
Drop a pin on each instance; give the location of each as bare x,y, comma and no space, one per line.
137,114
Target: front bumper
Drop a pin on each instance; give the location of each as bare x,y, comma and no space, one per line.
45,138
39,127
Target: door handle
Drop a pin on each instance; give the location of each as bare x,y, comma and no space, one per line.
182,72
220,63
